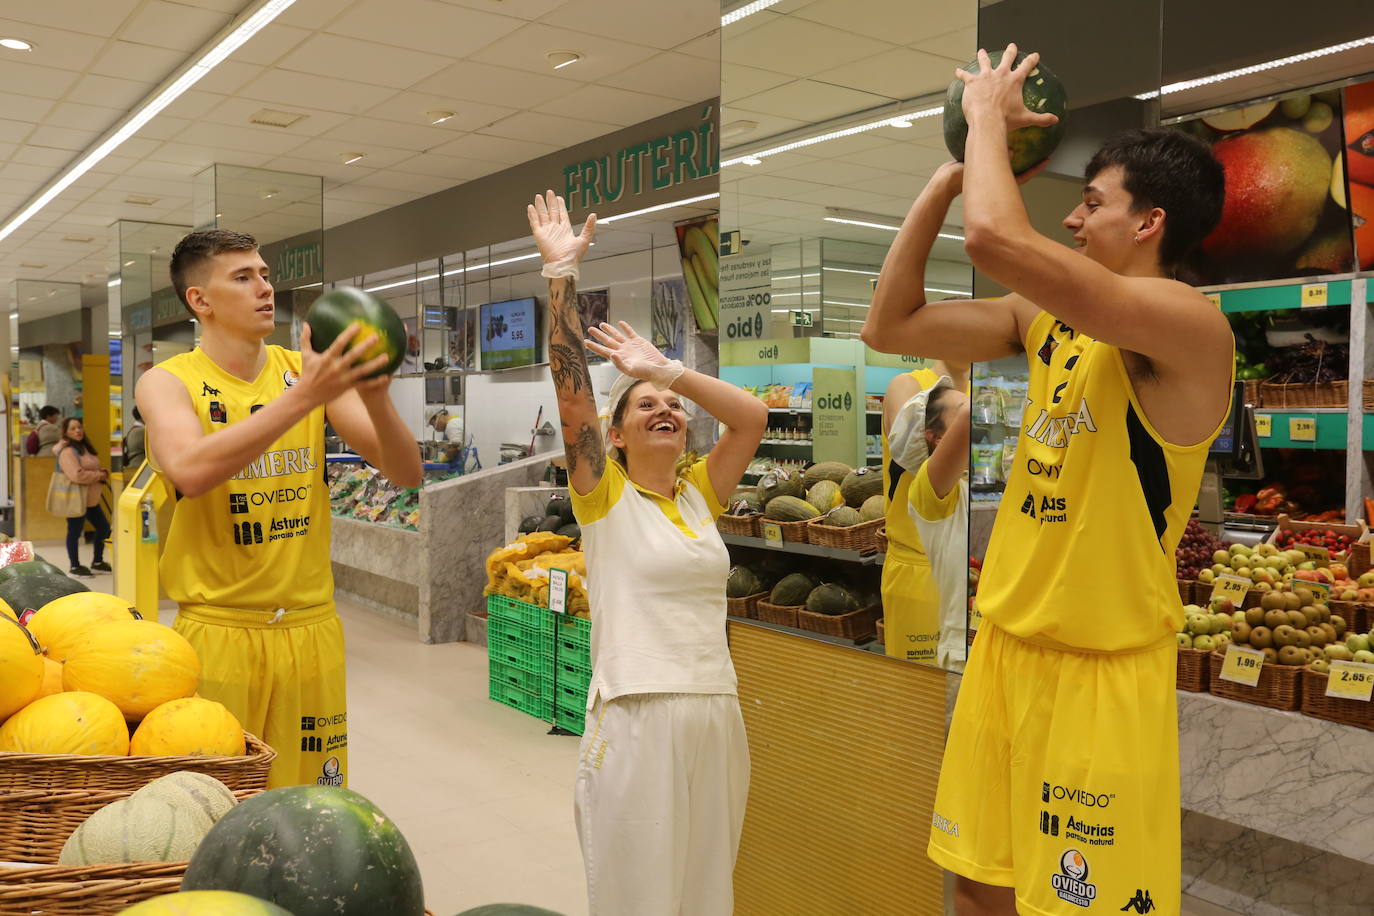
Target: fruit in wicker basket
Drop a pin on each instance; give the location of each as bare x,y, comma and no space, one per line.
873,508
204,796
779,482
843,517
21,667
825,495
52,678
189,726
205,903
789,509
62,623
742,582
860,484
792,590
140,828
136,664
73,722
832,600
833,471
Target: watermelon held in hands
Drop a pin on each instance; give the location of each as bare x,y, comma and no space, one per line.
312,850
336,310
1029,146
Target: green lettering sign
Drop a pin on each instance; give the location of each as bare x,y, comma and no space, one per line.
677,158
836,406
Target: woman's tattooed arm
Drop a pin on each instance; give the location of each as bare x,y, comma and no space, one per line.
572,381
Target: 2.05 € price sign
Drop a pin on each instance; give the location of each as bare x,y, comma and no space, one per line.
772,535
1242,665
1350,681
1233,587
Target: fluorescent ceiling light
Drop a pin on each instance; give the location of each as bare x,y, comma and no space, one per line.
871,224
787,311
796,276
900,120
350,158
952,292
561,59
16,44
846,270
748,9
667,206
170,92
438,117
750,160
1257,68
115,282
450,273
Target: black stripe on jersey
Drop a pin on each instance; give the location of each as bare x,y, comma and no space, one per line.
1151,470
894,474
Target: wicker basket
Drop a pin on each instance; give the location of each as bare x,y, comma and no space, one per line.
862,537
1317,704
854,625
882,539
1279,687
777,613
62,772
743,525
746,607
1194,674
1305,394
1356,532
1186,589
878,627
1202,593
1368,394
1358,562
87,890
35,823
1253,396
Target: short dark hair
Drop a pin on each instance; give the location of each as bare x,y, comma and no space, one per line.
1166,168
138,416
196,250
47,410
935,408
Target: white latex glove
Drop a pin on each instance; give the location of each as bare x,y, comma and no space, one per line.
633,355
553,233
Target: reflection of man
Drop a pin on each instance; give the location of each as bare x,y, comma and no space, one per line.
451,425
1067,709
911,604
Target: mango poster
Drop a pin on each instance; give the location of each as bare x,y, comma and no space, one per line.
1359,167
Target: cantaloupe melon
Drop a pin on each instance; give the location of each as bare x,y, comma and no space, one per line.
62,623
205,797
190,726
21,667
7,611
204,903
73,722
146,829
52,678
136,664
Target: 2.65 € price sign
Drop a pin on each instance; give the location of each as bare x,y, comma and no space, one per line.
1350,681
1242,665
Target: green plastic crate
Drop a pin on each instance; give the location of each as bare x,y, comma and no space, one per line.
573,720
520,612
525,680
573,631
570,697
575,676
516,645
528,703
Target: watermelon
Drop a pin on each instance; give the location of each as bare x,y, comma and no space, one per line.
204,903
508,909
570,530
24,592
742,582
550,523
312,850
530,523
35,567
562,507
792,590
335,311
1042,92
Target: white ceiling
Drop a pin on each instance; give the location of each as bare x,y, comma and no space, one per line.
362,72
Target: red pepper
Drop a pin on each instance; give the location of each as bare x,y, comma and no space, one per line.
1245,502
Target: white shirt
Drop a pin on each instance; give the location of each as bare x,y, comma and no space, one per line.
656,570
453,429
943,526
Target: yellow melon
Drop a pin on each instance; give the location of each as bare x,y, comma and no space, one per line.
189,727
21,667
67,723
7,611
63,622
52,678
136,664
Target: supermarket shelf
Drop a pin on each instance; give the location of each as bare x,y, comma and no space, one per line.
1330,434
783,442
1268,297
871,413
809,550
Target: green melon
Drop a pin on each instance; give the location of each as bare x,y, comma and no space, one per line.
745,503
336,310
550,523
508,909
572,530
1042,92
314,851
875,507
144,829
35,590
779,482
562,507
742,582
833,471
204,903
825,495
530,523
35,567
861,483
792,590
789,509
832,600
843,517
205,797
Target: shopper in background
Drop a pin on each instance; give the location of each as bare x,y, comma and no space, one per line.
238,429
44,436
132,446
1060,782
76,458
664,766
911,602
449,424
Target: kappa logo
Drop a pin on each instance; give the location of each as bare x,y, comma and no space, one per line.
1141,902
1071,884
207,392
1047,349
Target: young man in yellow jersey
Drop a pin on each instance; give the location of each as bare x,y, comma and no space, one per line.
238,428
1059,792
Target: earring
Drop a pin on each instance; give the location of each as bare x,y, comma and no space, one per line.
1137,239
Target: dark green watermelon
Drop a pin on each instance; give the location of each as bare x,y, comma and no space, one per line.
573,531
550,523
508,909
35,567
336,310
312,850
562,507
1042,92
530,523
35,590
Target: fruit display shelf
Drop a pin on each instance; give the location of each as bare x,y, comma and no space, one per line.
811,550
1330,428
1265,297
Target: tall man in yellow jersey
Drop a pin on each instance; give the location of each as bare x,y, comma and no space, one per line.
1059,792
238,428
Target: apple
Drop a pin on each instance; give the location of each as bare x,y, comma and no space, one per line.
1338,652
1320,665
1271,655
1206,575
1357,642
1255,616
1222,639
1338,622
1365,656
1222,606
1185,641
1366,580
1204,642
1221,556
1284,635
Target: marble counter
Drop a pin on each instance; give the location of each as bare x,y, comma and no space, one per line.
376,565
526,501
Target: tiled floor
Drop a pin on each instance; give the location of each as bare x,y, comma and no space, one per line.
483,793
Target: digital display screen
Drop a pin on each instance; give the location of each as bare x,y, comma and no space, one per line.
509,334
1227,442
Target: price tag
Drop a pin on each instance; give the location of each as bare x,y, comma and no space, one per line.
1302,429
1233,587
1215,299
1321,555
772,535
1313,295
1242,665
1321,591
1264,425
1350,681
558,591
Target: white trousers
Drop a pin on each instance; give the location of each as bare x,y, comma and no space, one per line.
661,786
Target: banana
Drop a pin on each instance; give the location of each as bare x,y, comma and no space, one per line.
700,310
698,244
708,291
712,229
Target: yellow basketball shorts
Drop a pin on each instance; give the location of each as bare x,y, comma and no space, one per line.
1060,778
911,610
284,681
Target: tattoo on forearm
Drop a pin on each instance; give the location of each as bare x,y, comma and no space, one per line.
567,356
589,447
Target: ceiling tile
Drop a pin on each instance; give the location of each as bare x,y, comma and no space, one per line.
826,171
237,112
769,124
536,127
495,149
100,19
900,73
656,25
401,181
127,60
526,48
424,25
775,45
35,175
269,45
112,165
229,77
205,156
811,101
351,58
738,81
330,150
961,44
676,76
362,132
171,25
706,47
335,170
60,48
410,108
36,80
365,194
193,105
521,9
234,139
517,89
613,106
109,91
24,108
286,89
62,137
897,21
450,167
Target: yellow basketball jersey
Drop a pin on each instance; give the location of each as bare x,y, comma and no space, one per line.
1082,553
260,540
901,531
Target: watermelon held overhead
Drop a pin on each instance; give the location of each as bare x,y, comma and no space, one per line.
335,311
1029,146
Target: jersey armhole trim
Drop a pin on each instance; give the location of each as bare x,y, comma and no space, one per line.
1120,360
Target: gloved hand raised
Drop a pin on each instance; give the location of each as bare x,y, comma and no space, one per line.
553,233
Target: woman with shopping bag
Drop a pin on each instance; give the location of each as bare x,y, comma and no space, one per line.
74,494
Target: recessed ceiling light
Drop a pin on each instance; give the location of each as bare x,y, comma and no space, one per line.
16,44
34,266
438,117
899,122
140,200
129,263
79,239
737,128
561,59
270,193
350,158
